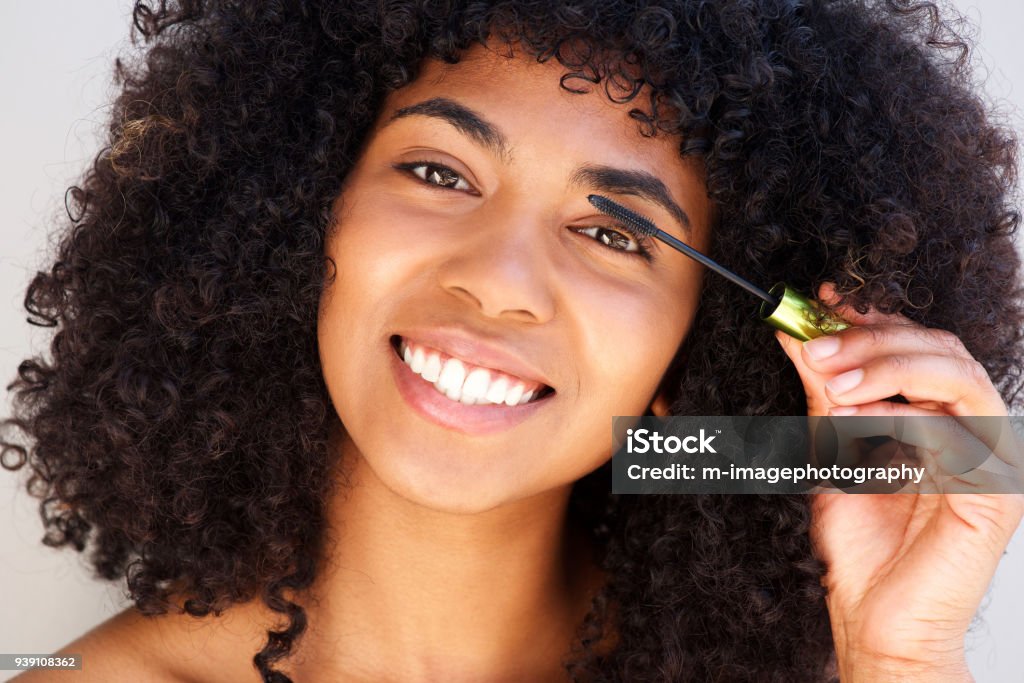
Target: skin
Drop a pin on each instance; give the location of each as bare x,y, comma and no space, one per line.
449,554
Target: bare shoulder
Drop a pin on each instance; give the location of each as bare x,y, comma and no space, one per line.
170,648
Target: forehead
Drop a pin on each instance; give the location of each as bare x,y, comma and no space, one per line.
526,99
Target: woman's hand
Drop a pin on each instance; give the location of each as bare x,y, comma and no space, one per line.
907,572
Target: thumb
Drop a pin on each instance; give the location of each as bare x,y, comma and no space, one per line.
813,382
818,402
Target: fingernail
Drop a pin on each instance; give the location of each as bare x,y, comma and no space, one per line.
822,347
842,410
846,381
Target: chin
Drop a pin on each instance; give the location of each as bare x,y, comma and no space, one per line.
457,483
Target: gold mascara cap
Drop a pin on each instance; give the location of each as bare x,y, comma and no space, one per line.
798,316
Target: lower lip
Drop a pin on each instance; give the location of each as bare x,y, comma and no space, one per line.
441,410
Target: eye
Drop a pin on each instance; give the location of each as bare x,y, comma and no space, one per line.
436,174
618,239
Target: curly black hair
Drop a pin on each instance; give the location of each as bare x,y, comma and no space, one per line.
180,429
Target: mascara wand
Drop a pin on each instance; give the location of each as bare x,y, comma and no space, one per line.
781,307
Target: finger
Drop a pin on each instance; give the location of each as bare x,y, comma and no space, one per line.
896,463
976,481
958,443
854,346
938,440
818,401
980,481
888,467
813,382
995,432
961,386
925,430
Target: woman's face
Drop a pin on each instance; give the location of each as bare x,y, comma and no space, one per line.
464,236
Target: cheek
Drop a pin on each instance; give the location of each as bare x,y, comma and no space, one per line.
630,334
384,251
383,248
379,240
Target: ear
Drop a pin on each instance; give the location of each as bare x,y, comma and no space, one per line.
660,405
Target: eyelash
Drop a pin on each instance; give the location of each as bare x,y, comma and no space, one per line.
642,241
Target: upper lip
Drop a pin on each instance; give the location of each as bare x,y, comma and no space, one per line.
476,350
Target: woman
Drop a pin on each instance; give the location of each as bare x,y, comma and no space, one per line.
310,214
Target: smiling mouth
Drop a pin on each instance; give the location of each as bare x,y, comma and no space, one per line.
465,382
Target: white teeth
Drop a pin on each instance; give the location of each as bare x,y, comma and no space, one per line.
432,369
476,385
513,394
496,392
418,361
451,378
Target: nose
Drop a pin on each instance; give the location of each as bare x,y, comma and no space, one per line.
504,269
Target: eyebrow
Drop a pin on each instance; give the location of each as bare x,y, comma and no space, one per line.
464,119
602,178
639,183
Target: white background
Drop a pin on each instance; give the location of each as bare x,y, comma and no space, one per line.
56,59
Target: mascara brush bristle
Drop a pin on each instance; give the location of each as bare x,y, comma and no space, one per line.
633,220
